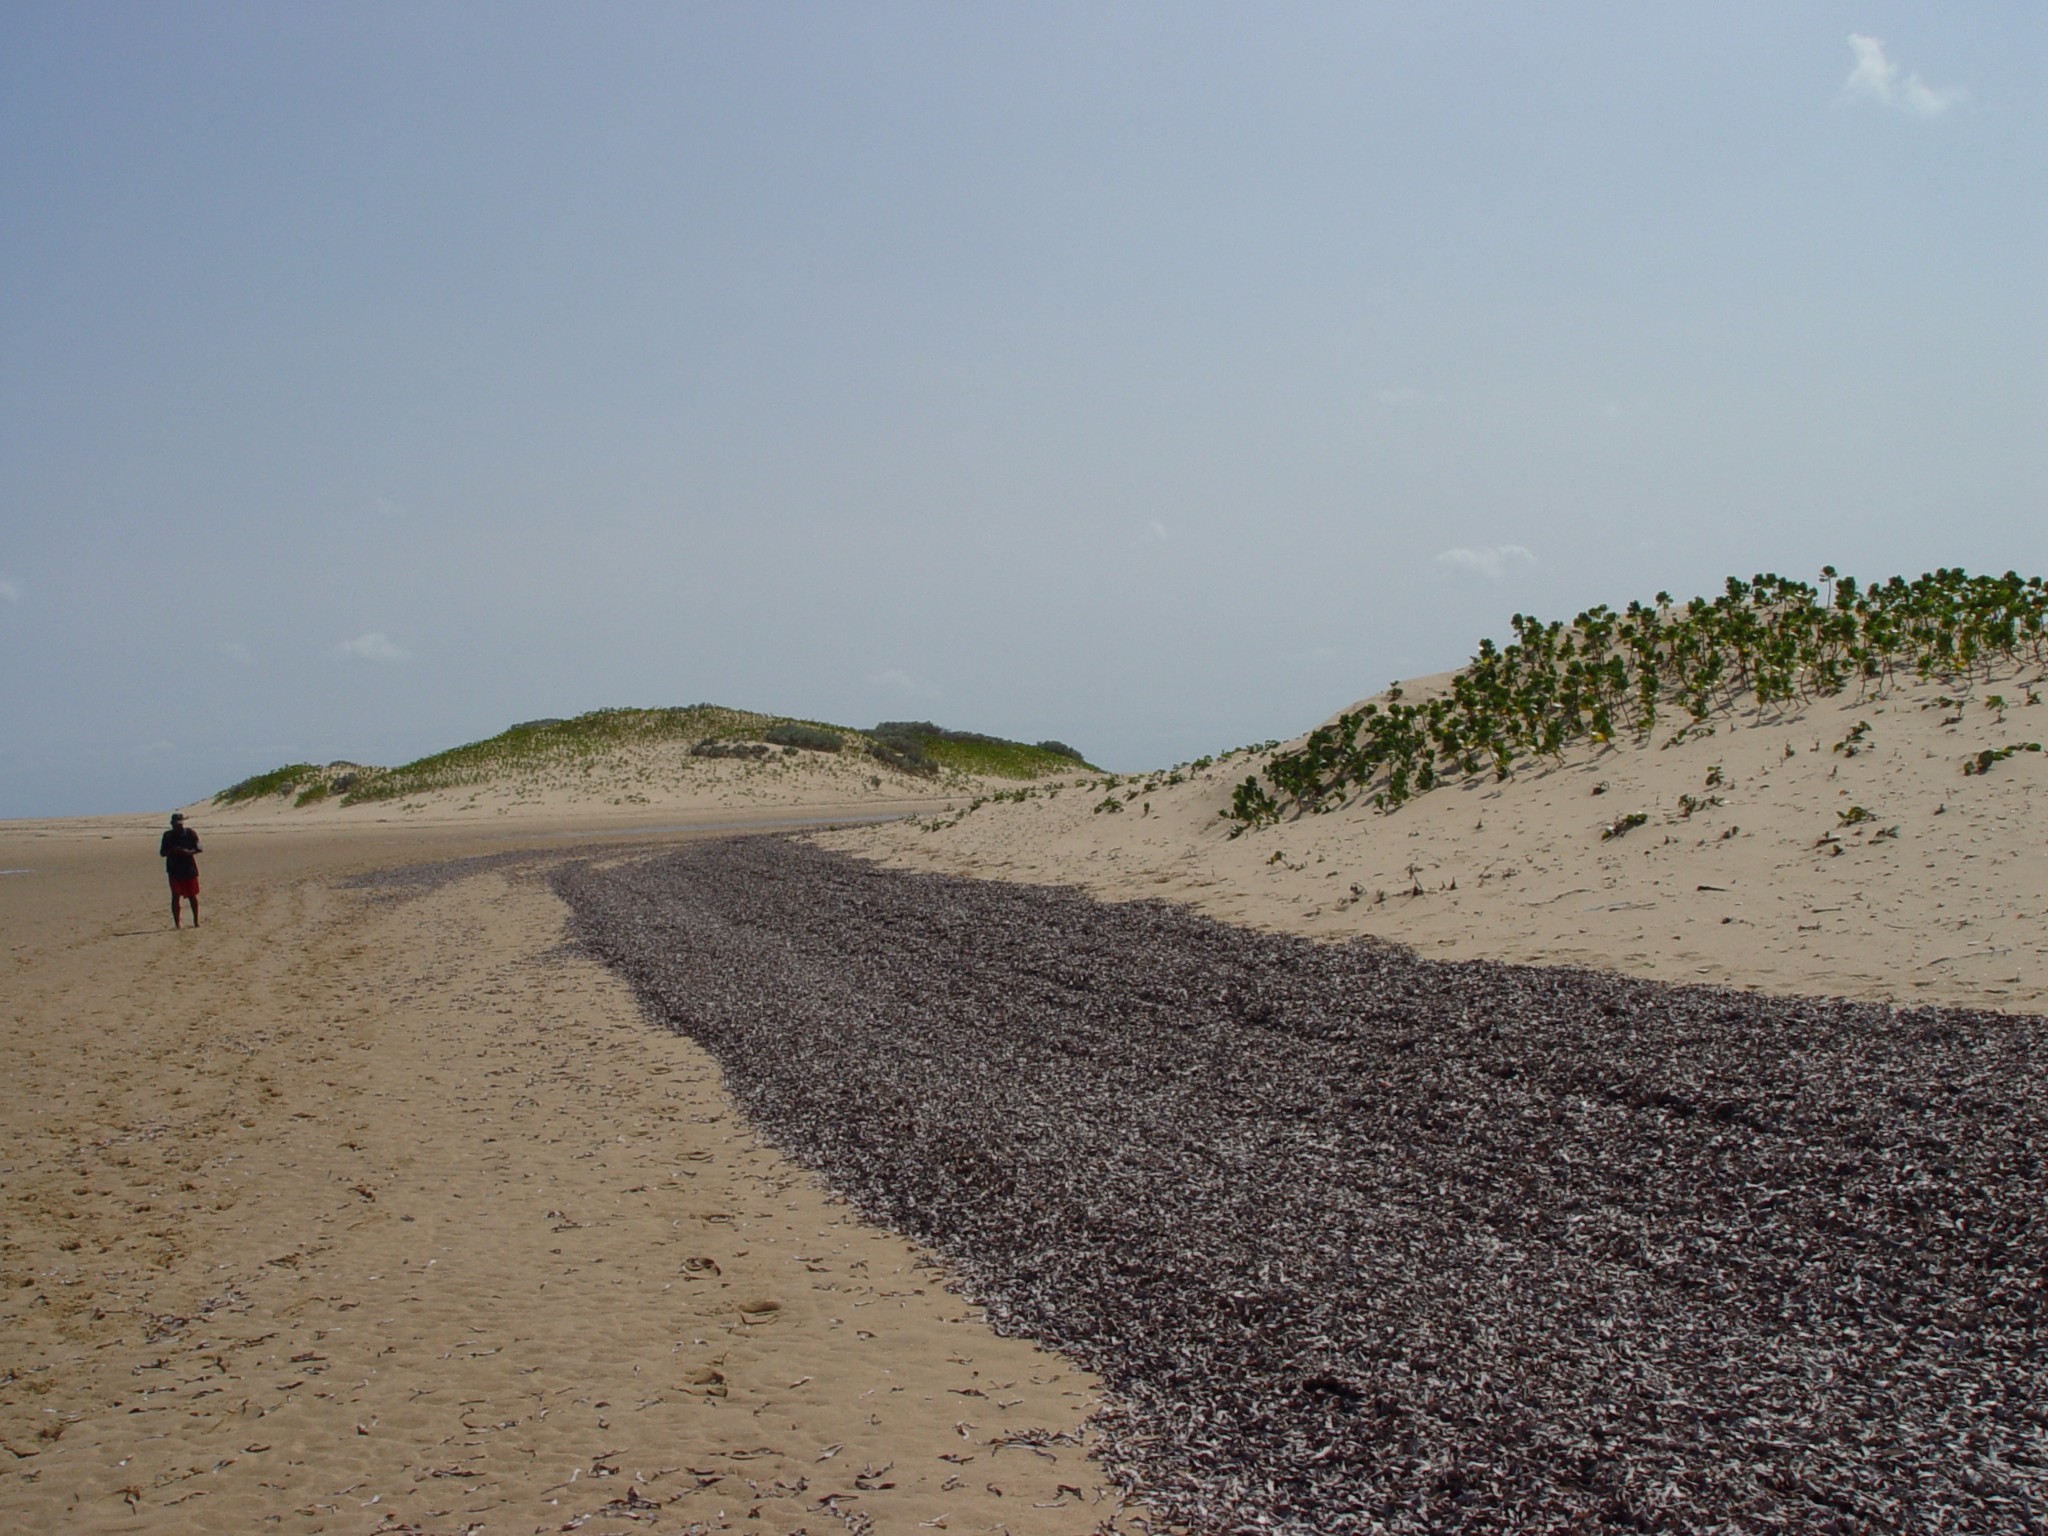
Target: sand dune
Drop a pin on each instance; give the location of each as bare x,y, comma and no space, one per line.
1768,880
630,766
628,788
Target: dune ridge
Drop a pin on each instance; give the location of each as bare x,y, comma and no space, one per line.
639,763
1863,822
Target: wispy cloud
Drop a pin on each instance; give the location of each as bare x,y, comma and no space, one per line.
1492,561
375,646
897,678
9,592
1877,78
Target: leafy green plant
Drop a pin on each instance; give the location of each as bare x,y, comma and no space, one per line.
1622,825
1984,761
1854,816
1251,806
1763,646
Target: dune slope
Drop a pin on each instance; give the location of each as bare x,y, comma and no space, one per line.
625,764
1835,847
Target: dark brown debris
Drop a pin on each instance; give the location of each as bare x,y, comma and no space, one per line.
1363,1242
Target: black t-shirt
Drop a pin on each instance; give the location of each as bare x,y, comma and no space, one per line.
177,848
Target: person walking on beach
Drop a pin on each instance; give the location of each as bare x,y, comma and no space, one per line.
178,848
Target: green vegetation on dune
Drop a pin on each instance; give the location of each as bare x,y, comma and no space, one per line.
555,743
277,781
920,746
917,748
999,759
1767,644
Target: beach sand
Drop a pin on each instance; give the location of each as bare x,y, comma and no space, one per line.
376,1210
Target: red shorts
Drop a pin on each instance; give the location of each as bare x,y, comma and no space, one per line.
188,888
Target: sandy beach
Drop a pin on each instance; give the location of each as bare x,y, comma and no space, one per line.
1023,771
377,1204
372,1210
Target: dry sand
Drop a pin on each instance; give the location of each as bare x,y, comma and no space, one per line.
1741,891
374,1210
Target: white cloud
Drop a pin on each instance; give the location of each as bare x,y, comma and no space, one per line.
901,680
1492,561
1876,78
9,592
1924,100
375,646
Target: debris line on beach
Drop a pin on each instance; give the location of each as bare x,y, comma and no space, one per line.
1363,1242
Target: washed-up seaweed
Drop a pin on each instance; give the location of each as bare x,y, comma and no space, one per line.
1364,1242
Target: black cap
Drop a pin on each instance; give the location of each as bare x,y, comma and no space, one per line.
177,815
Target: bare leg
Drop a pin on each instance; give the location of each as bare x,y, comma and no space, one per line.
175,921
195,910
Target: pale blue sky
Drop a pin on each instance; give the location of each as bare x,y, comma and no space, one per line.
374,376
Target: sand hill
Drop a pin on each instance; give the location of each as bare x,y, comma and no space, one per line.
637,764
1827,845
